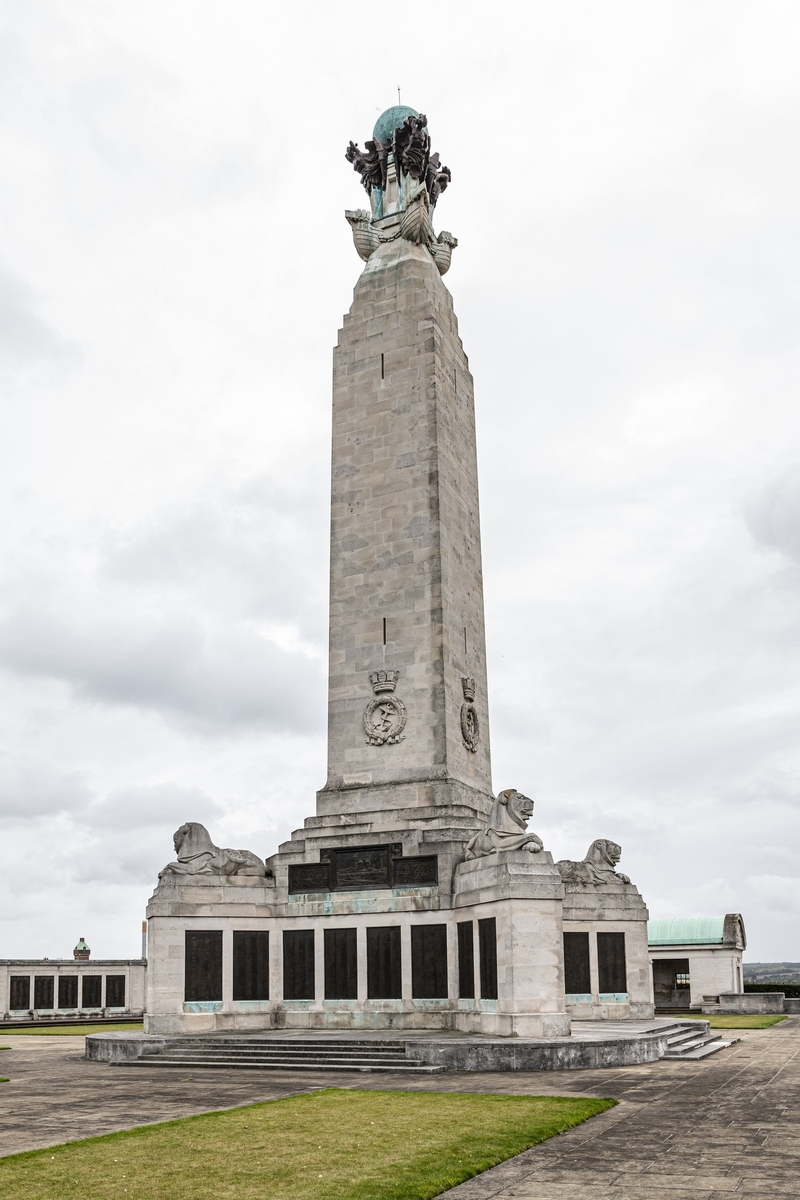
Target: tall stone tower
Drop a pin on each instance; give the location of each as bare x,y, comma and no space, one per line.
408,723
412,899
408,720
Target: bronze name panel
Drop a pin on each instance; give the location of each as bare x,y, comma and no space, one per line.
363,868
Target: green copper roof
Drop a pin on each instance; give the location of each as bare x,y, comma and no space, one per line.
684,931
388,121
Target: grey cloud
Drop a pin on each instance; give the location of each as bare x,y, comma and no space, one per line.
773,517
30,789
135,856
173,666
143,806
131,830
255,549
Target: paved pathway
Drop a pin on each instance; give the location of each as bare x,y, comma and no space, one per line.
690,1131
683,1131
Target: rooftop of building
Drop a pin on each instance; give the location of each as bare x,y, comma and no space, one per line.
696,931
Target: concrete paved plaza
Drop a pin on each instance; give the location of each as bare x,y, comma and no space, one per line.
683,1130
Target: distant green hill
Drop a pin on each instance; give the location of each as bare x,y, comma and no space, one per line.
780,972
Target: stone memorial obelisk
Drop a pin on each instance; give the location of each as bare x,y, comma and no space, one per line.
414,898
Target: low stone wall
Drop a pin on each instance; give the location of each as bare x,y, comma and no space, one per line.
119,1047
791,1005
560,1054
452,1054
741,1003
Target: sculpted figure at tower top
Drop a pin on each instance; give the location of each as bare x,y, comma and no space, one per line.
403,180
507,827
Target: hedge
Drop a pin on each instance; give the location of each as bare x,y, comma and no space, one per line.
790,990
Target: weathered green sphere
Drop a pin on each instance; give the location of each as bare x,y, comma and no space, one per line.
388,121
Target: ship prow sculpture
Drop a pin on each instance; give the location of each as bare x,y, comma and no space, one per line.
403,180
415,898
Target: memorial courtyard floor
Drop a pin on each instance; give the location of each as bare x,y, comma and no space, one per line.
729,1124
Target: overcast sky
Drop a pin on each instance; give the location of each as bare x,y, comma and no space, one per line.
174,266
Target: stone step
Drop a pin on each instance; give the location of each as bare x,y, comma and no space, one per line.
683,1047
344,1064
287,1044
274,1055
709,1046
689,1036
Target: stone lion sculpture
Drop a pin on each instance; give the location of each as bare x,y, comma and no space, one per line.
197,855
599,865
506,828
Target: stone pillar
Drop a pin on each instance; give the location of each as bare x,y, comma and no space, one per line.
407,645
524,893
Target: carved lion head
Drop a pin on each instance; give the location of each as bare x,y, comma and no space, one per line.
604,854
520,807
192,837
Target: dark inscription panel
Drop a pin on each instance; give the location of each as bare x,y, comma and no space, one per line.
68,991
203,965
611,962
429,962
92,991
466,960
384,969
310,877
577,980
250,964
487,949
43,991
115,991
341,971
364,867
298,964
416,872
20,991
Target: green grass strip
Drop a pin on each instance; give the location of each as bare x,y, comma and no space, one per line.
333,1144
71,1030
747,1021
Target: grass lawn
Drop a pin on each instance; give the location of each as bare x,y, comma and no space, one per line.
332,1144
744,1022
71,1030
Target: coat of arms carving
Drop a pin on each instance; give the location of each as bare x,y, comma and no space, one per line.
470,726
385,716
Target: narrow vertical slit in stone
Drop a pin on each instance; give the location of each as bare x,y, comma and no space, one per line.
465,639
384,631
382,368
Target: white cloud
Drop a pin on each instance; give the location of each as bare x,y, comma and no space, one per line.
175,267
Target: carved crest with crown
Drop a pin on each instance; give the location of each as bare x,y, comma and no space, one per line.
470,726
385,716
